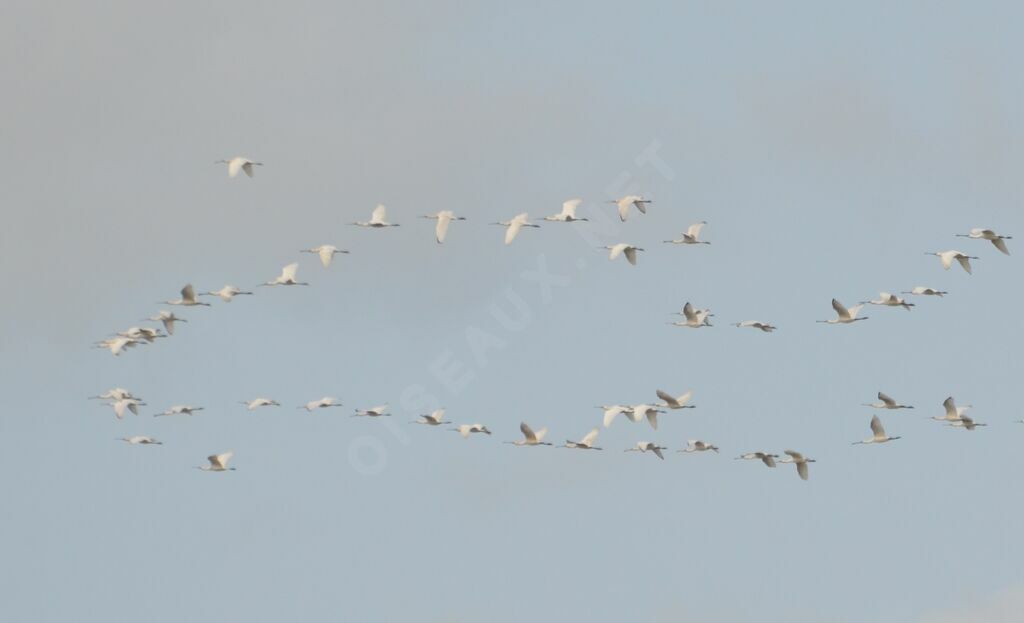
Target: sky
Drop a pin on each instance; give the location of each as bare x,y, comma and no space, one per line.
827,147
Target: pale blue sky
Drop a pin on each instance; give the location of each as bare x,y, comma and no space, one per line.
827,148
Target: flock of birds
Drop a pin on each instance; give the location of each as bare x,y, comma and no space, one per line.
122,400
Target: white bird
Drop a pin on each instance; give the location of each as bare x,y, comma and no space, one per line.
691,235
568,213
953,413
675,402
117,393
513,226
923,291
764,457
140,440
756,324
799,460
118,345
647,446
218,463
587,443
141,334
696,445
622,248
188,298
239,163
695,318
890,300
256,403
168,319
628,201
979,233
886,403
324,402
131,404
947,258
467,429
443,218
966,423
287,277
326,253
226,293
379,218
531,438
180,410
435,418
877,433
612,411
649,411
844,316
378,411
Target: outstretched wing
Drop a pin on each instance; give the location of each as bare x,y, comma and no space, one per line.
380,214
876,427
630,255
590,437
569,207
527,431
842,311
694,230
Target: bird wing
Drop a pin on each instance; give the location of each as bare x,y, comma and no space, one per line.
947,259
669,399
527,431
464,430
589,438
656,450
288,272
326,253
768,460
234,165
842,311
380,214
694,230
247,167
652,417
541,433
689,313
801,468
876,427
796,455
1000,244
609,415
630,255
965,262
569,207
889,402
615,251
685,398
623,209
639,203
188,293
441,230
950,406
513,230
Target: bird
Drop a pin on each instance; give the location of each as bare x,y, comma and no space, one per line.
953,413
764,457
979,233
612,411
675,402
467,429
624,204
117,345
587,443
378,411
443,218
144,334
696,445
256,403
690,236
226,293
180,410
649,411
379,218
890,300
947,258
695,318
923,291
117,393
568,213
531,438
966,423
647,446
131,404
435,418
877,433
326,253
844,316
287,277
188,298
168,319
323,403
513,226
239,163
218,463
622,248
756,324
799,460
886,403
140,440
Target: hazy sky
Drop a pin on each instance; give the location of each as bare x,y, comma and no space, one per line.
827,148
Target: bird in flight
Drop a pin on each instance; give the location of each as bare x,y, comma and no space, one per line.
515,224
691,235
323,403
890,300
140,440
587,443
694,318
997,241
443,218
625,203
226,293
696,445
435,418
648,446
764,457
256,403
326,253
287,277
188,298
218,463
568,213
168,319
468,429
799,460
622,248
238,163
947,258
877,433
844,316
379,218
756,324
530,438
886,403
924,291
